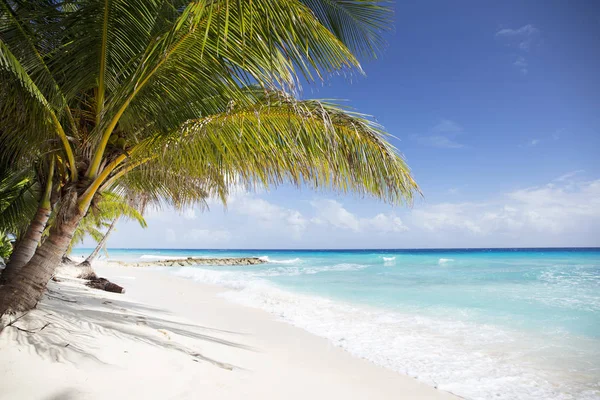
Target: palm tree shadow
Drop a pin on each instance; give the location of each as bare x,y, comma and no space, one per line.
65,394
75,315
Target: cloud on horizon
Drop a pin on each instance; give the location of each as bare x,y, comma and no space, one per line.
548,209
563,212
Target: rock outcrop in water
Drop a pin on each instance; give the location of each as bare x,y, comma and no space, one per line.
190,261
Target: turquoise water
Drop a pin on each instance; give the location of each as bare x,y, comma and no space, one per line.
508,324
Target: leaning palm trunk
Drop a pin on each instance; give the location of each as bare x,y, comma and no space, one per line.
28,284
85,268
27,245
144,93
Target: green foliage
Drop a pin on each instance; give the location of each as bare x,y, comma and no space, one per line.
109,207
18,199
5,246
279,138
179,100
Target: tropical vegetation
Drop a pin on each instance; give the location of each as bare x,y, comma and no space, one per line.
180,100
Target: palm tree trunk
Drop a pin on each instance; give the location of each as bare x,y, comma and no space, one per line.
86,271
27,245
27,287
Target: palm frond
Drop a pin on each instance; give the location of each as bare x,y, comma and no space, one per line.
280,139
359,24
214,48
151,97
19,196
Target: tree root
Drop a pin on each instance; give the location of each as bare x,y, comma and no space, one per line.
86,271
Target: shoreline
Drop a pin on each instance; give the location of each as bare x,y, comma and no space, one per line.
170,337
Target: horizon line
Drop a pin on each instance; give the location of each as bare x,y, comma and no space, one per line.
345,249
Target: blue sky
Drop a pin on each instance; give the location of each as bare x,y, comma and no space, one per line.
496,107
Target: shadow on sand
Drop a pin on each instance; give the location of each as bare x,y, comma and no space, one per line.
71,316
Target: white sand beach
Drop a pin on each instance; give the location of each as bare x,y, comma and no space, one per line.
171,338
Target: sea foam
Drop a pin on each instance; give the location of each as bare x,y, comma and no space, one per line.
290,261
388,261
472,360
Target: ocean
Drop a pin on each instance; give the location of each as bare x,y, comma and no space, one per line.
481,323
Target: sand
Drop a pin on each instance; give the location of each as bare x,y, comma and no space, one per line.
172,338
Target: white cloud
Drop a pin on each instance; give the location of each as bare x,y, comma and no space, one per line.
268,214
556,135
445,216
443,135
565,211
521,64
447,125
204,237
549,209
531,143
524,37
569,175
385,223
189,213
439,141
333,213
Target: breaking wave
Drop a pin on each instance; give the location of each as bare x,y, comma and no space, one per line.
290,261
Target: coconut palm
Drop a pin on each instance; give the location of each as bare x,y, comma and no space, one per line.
25,191
5,246
110,207
133,193
101,240
104,215
203,90
32,220
18,196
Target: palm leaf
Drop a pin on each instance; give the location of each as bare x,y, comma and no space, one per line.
359,24
280,139
19,194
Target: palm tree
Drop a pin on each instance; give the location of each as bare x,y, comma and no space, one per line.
105,215
29,236
5,246
101,244
204,90
19,194
133,194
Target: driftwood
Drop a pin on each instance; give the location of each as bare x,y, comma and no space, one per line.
105,284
